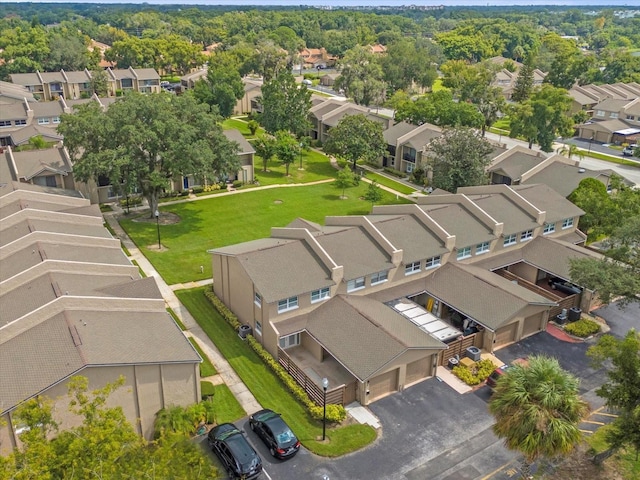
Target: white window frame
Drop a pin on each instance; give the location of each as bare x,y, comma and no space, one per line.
320,294
599,113
379,277
432,262
257,299
55,119
258,328
292,340
549,228
19,123
355,284
411,268
526,235
510,239
567,223
5,123
287,304
613,115
464,252
482,248
43,121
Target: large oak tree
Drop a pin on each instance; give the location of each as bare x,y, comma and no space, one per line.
356,138
148,140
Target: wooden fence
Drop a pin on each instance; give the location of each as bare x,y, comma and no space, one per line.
315,392
458,347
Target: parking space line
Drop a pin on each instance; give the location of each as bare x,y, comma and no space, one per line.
593,422
586,431
607,414
265,472
498,470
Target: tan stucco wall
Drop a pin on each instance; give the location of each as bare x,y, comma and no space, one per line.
524,270
311,346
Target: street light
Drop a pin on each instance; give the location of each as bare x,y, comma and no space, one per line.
301,146
590,140
325,385
157,214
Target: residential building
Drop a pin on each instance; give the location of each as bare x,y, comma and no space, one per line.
49,167
73,304
315,58
327,114
406,146
375,303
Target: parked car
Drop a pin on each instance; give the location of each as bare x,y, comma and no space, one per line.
275,433
629,151
239,458
564,286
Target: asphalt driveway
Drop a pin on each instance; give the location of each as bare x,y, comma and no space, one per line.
621,320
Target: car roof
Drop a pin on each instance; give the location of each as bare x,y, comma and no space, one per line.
241,449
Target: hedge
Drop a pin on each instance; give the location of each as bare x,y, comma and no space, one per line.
583,328
335,413
475,375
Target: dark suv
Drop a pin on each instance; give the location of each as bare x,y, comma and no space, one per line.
564,286
275,433
237,456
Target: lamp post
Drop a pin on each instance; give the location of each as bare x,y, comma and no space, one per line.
325,385
590,140
301,146
157,214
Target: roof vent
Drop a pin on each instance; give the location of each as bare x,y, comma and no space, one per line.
581,170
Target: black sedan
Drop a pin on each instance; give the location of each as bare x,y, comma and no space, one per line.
275,433
237,456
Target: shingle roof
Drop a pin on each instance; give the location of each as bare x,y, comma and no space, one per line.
516,164
546,198
515,219
396,131
458,221
235,136
343,324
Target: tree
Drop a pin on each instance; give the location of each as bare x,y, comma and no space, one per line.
570,150
152,138
270,60
346,178
287,148
253,127
38,142
440,108
285,105
490,102
68,51
592,197
99,83
524,82
373,193
537,409
543,117
222,87
356,138
265,146
622,391
406,65
361,77
459,159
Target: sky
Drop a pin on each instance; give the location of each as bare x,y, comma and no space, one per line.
629,3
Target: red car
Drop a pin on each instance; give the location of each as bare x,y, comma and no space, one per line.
492,380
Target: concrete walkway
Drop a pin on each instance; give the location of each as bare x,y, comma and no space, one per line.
225,371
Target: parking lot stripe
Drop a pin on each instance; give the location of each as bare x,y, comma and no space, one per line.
593,422
606,414
267,475
586,431
498,470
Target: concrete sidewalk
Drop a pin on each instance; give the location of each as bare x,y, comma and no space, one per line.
225,371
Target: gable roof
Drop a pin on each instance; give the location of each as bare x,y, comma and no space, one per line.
234,135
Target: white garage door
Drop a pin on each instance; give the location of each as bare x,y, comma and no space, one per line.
532,324
383,385
506,334
418,370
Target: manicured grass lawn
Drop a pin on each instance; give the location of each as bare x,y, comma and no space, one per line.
316,166
226,220
503,124
206,367
226,406
266,387
387,182
231,123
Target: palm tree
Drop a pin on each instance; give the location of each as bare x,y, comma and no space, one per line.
537,410
570,150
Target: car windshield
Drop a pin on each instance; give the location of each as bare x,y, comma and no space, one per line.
285,436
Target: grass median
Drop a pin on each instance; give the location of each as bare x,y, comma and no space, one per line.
392,184
267,388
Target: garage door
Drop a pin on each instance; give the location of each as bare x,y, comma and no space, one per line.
506,334
532,324
383,385
418,370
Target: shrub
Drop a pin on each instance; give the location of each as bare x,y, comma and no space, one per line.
476,374
393,172
222,309
583,328
207,389
134,201
237,184
197,190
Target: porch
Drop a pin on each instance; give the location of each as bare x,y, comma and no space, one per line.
308,372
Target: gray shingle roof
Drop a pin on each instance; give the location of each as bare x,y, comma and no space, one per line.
516,164
235,136
546,198
396,131
515,219
458,221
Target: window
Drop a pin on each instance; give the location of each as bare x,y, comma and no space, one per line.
412,268
482,248
599,113
43,121
613,115
464,253
567,223
289,341
55,87
410,167
355,284
510,239
257,299
549,228
379,277
5,123
126,83
432,262
321,294
55,119
18,123
526,235
630,117
287,304
258,328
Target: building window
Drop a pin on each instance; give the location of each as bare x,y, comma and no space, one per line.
482,248
510,239
318,295
126,83
55,119
464,253
5,123
257,299
567,223
43,121
289,341
549,228
355,284
631,117
412,268
613,115
258,328
599,113
432,262
379,277
526,235
287,304
19,123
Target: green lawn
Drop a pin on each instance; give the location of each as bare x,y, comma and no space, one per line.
387,182
316,166
238,124
503,124
226,406
266,387
231,219
206,367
